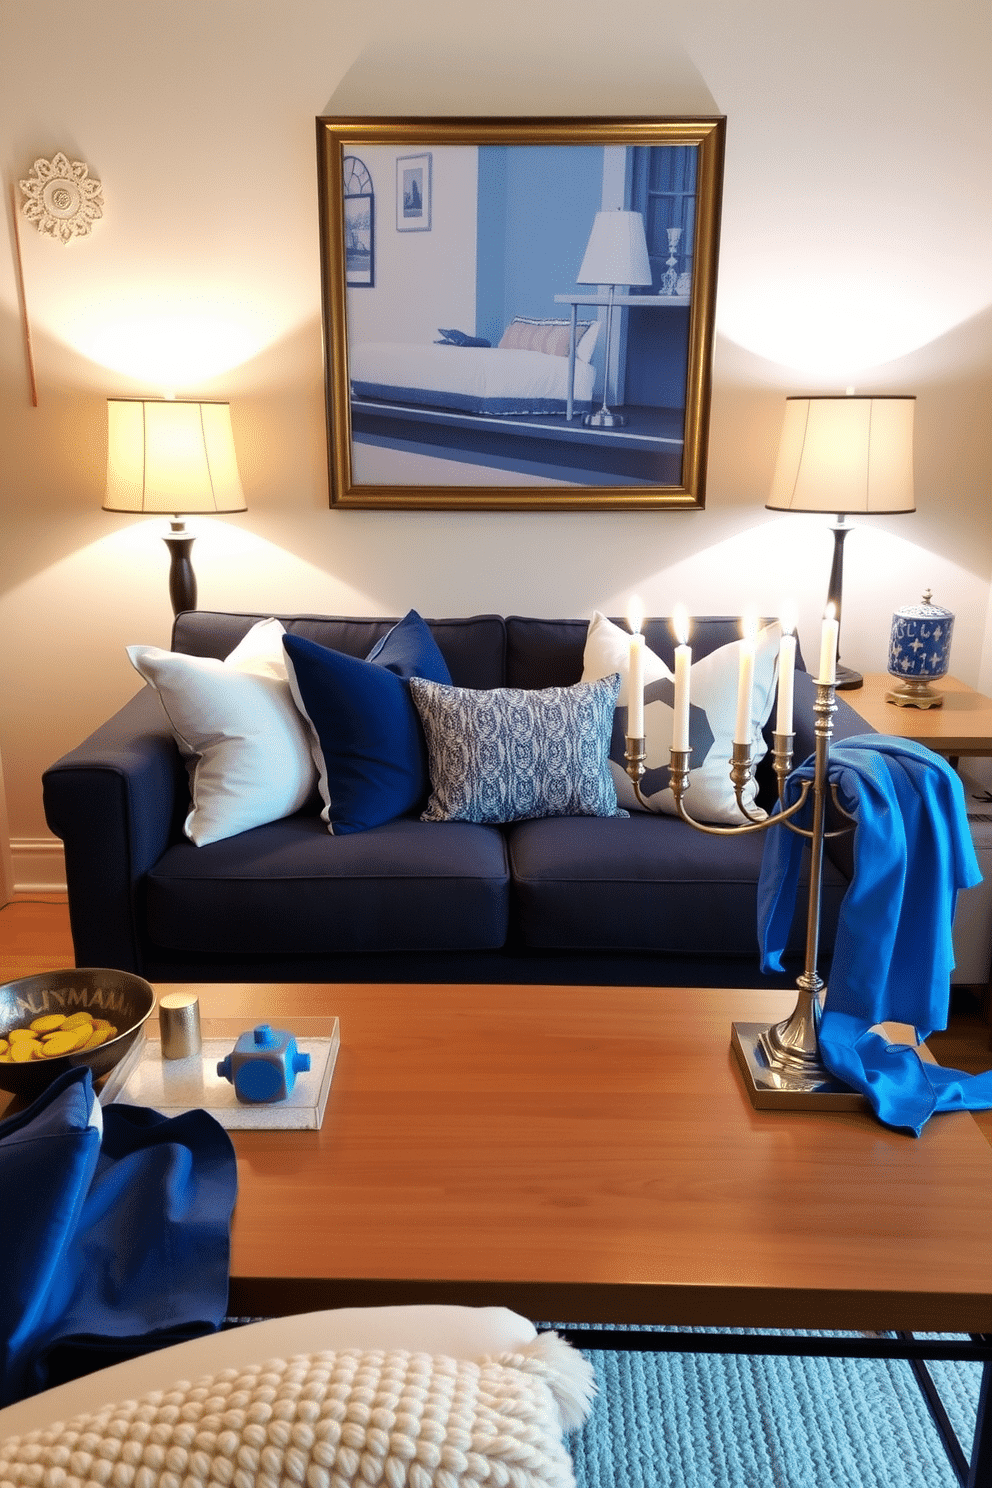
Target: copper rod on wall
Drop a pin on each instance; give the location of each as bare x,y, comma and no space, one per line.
28,349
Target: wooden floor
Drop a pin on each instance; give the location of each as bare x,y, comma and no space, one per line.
34,936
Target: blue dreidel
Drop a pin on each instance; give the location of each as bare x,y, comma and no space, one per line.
263,1065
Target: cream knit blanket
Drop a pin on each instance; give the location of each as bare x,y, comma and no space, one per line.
329,1420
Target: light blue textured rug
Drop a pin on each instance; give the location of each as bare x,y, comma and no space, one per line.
741,1421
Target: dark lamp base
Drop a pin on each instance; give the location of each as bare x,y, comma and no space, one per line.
182,580
848,679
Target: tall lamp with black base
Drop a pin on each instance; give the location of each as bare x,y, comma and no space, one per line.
167,456
845,455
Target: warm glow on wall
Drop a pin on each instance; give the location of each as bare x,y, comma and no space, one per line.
832,328
171,342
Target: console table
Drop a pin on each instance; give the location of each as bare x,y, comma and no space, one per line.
961,728
621,302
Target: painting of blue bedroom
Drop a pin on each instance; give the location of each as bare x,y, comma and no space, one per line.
485,351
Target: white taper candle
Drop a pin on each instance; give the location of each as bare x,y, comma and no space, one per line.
786,676
683,673
635,671
745,681
828,647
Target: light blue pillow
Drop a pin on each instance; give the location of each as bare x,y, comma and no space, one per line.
367,741
510,754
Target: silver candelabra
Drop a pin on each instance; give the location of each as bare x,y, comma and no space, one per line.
781,1063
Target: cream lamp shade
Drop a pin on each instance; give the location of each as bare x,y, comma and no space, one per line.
845,455
617,251
165,456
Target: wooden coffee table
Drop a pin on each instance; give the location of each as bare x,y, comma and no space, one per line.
589,1155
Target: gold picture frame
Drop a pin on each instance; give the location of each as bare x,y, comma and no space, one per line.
603,400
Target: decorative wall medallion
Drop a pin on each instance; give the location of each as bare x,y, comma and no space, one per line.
61,199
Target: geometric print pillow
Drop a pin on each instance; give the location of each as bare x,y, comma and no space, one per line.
511,754
712,721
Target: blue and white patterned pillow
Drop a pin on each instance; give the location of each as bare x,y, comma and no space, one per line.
510,753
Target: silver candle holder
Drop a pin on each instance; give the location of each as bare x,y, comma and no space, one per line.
781,1062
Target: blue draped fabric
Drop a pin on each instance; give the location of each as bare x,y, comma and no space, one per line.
893,955
115,1235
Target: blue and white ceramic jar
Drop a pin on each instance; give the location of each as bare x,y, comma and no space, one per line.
920,652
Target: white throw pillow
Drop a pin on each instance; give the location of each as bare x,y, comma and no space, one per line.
247,749
587,342
713,696
428,1328
331,1418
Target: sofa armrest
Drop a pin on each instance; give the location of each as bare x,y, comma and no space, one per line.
116,801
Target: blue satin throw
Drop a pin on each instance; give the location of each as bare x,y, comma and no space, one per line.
893,955
116,1233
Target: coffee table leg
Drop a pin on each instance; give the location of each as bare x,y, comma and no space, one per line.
941,1420
980,1475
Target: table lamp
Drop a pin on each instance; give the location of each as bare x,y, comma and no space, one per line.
166,456
617,253
845,455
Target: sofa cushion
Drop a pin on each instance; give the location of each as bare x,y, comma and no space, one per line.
367,742
292,888
713,694
549,653
507,754
235,724
473,648
650,883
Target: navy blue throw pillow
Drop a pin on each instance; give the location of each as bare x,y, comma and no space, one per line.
459,338
368,743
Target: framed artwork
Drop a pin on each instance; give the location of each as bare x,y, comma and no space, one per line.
413,193
535,330
359,224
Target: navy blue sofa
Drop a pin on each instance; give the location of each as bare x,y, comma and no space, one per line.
644,900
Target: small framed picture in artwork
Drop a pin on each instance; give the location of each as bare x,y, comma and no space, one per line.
413,193
359,223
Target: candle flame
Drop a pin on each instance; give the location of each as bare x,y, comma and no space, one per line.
635,613
830,613
787,617
680,625
749,625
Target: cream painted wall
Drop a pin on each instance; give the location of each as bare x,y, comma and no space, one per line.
855,251
387,311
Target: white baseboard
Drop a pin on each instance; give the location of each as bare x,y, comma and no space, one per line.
39,865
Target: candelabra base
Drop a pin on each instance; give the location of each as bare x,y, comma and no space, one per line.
787,1089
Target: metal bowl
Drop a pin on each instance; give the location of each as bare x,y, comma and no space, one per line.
123,999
